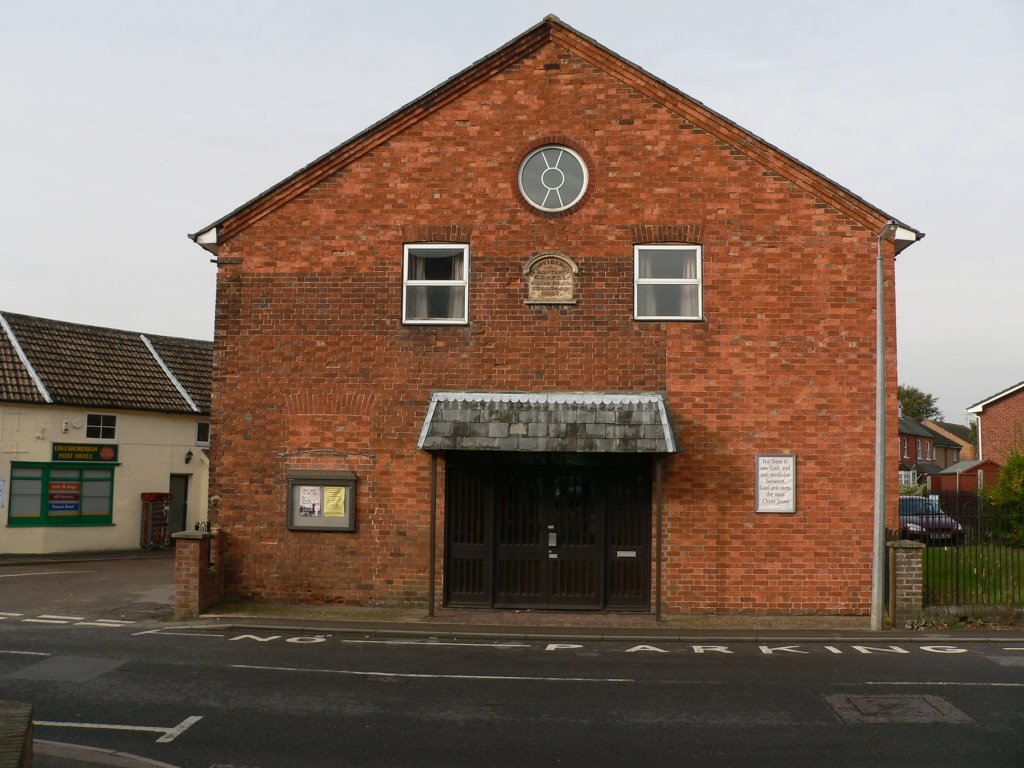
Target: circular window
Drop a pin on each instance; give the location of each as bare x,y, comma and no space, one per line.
553,178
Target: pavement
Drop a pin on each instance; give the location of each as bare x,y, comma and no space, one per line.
450,623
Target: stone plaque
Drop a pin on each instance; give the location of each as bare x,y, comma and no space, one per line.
550,279
776,482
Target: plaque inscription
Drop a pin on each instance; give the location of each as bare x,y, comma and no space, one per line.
550,279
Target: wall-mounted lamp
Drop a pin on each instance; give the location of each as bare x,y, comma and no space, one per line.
188,456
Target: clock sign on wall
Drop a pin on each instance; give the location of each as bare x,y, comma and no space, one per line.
553,178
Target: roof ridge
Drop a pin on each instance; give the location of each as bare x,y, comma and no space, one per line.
23,357
169,373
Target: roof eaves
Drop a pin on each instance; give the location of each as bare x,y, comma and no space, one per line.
979,406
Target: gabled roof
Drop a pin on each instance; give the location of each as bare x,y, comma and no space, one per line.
88,366
552,29
941,438
966,466
910,427
979,406
958,432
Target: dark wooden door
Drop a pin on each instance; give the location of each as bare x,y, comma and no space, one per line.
548,532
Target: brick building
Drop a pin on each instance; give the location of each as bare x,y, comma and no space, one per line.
1000,423
554,335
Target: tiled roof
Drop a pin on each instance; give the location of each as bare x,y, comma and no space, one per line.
191,362
16,383
96,367
572,422
941,439
960,431
910,427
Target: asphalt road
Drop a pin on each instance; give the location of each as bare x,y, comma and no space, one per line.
218,697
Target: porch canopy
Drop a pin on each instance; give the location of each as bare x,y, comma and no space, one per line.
569,422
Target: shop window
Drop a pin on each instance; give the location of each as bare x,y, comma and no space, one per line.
203,433
435,284
101,426
60,494
667,282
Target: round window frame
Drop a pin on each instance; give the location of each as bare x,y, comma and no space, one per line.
579,159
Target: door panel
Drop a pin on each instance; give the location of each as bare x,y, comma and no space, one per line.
548,532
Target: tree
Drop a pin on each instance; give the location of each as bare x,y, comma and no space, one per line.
918,405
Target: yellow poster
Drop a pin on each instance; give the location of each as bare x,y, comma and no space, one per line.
334,501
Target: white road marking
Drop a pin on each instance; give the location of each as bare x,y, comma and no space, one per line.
169,734
176,634
39,573
25,653
61,618
179,729
103,623
437,642
950,684
1013,649
46,621
514,678
6,615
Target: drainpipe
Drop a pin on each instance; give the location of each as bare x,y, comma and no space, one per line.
901,236
878,563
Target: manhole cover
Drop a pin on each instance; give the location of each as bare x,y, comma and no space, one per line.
895,709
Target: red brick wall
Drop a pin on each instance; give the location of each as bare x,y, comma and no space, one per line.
314,369
1002,427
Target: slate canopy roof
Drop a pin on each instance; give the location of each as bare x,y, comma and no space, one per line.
569,422
50,361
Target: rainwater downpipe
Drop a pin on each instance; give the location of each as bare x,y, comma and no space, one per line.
878,572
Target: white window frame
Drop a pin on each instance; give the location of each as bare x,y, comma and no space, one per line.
203,442
698,281
407,283
906,451
102,426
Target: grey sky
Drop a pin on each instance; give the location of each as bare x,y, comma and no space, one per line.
126,125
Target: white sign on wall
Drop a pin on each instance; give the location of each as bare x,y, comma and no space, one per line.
776,482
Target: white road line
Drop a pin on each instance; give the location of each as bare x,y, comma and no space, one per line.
950,684
175,634
103,623
1013,649
169,734
45,621
40,573
7,615
179,729
513,678
430,643
62,618
25,653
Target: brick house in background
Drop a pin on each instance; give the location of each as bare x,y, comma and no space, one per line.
1000,423
556,336
960,434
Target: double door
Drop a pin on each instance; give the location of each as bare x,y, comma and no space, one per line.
550,531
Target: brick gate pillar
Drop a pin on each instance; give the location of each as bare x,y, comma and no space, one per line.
906,581
198,572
